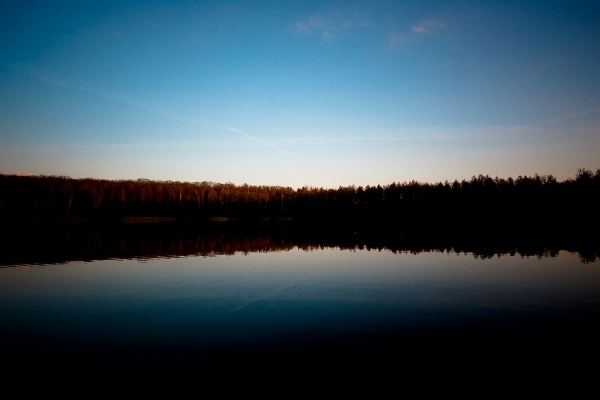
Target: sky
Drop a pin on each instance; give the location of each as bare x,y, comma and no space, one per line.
320,93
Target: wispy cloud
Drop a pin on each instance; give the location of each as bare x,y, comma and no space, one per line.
427,27
398,39
267,143
332,27
314,26
401,38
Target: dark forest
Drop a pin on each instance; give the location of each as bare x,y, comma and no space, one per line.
480,200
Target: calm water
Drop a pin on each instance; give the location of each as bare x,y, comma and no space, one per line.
289,302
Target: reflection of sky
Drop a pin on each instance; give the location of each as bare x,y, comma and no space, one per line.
275,295
298,274
326,94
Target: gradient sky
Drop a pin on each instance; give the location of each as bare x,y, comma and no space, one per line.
299,93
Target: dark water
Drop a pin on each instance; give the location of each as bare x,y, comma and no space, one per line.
321,304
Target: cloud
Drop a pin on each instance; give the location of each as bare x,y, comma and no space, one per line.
358,23
318,22
332,27
399,38
303,28
427,27
315,26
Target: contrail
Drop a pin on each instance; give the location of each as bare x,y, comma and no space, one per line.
359,138
268,144
33,75
577,114
274,130
108,95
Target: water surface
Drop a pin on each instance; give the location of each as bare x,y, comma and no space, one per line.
293,302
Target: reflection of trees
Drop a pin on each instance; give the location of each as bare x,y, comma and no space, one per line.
57,243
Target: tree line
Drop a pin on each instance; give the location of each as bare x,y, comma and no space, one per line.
482,199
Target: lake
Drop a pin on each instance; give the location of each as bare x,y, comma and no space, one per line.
319,302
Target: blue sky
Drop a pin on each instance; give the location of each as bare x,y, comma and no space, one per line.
299,93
